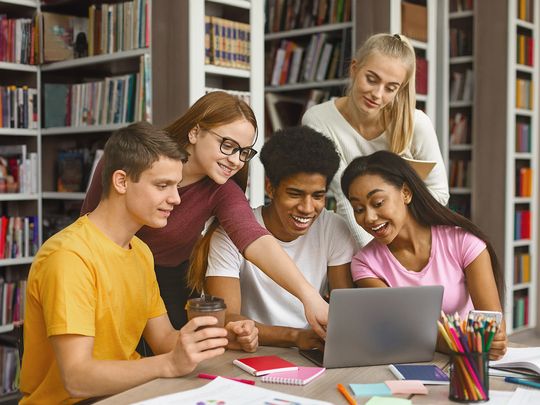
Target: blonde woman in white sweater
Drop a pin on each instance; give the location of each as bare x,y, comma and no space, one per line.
378,113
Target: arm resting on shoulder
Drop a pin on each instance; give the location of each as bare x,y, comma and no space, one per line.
84,376
228,288
267,255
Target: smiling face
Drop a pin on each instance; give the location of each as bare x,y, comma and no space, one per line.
296,202
206,158
151,199
379,207
376,83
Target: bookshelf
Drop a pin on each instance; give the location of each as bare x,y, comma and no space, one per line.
456,75
505,167
242,76
20,201
307,54
417,19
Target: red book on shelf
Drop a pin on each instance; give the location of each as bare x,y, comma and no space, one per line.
421,76
525,224
261,365
530,51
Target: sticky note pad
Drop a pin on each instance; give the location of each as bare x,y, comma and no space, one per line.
406,387
370,390
388,401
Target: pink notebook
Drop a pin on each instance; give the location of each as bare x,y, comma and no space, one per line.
302,376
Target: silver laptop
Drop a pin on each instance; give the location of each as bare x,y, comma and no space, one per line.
368,326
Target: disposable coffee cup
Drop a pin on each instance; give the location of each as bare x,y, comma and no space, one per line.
207,305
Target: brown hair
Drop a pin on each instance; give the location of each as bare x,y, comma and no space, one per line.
398,116
136,148
210,111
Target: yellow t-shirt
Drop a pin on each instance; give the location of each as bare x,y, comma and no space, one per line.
83,283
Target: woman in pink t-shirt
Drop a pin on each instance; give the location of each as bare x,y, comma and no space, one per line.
417,241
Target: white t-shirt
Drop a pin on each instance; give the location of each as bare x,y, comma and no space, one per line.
327,119
328,242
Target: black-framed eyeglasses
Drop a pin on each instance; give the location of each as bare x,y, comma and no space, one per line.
229,147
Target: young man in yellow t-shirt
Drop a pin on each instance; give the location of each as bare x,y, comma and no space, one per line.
92,291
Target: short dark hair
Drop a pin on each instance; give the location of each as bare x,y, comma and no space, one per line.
136,148
299,149
424,208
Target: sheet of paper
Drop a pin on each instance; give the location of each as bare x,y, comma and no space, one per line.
525,396
370,390
388,401
499,397
227,392
406,387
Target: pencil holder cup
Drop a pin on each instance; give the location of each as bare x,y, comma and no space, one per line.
469,377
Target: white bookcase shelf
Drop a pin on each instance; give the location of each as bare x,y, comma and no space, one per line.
203,76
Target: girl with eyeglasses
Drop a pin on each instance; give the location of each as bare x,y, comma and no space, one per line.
378,113
218,132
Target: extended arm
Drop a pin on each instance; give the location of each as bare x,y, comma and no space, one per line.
266,254
84,376
340,276
228,288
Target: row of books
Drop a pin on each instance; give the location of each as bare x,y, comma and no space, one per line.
322,59
461,85
284,111
524,94
18,107
12,296
18,40
118,27
521,311
522,268
242,95
285,15
9,369
461,43
460,174
227,42
18,170
114,100
524,182
18,237
421,78
525,50
461,5
522,224
523,137
525,10
459,129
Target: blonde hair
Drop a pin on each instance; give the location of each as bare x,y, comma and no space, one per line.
210,111
398,116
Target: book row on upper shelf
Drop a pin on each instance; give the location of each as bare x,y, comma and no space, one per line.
324,58
227,43
18,107
460,174
12,301
461,85
459,129
285,15
461,43
51,37
525,49
113,100
524,182
523,137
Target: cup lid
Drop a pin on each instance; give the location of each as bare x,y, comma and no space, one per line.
206,303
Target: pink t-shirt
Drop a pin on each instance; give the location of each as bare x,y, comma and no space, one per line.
452,250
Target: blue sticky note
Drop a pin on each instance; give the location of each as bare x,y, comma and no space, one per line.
370,390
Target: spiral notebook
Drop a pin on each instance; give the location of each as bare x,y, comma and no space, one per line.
302,376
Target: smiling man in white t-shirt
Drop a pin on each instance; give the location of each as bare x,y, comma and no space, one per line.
299,163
